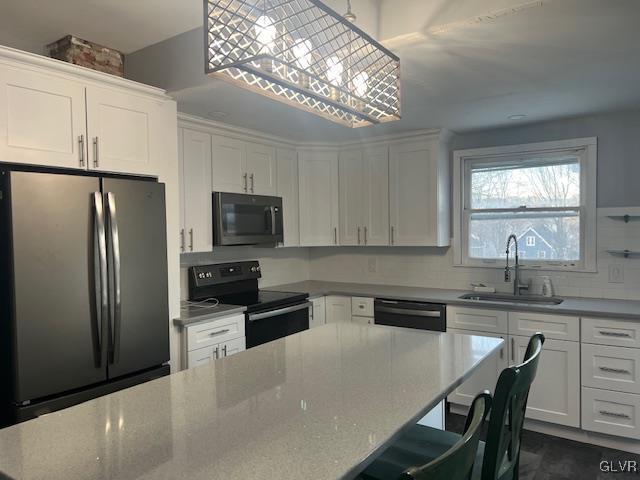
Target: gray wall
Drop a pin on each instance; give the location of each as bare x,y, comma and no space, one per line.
618,149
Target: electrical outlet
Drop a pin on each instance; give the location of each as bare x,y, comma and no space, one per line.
616,273
373,264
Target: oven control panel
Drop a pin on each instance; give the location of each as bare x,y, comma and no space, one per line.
216,274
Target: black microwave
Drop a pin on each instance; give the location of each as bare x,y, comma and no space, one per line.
242,219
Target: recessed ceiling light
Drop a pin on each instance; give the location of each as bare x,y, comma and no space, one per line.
217,114
516,117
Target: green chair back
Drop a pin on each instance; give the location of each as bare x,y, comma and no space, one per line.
502,450
457,462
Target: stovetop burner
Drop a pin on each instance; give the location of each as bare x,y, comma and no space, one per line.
237,284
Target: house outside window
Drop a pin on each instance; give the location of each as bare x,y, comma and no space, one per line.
543,193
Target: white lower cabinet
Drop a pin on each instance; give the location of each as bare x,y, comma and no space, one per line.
338,309
611,368
317,313
555,394
477,320
206,341
613,413
486,376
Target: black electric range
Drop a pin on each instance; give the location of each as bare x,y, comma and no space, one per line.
270,314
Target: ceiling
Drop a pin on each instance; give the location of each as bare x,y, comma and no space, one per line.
466,64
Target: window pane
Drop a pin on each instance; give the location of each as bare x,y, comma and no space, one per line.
556,236
556,184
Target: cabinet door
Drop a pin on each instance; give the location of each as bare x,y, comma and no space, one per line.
318,175
351,175
201,356
232,347
486,376
229,160
287,174
124,132
338,309
317,315
181,188
261,169
196,184
42,119
413,193
376,196
555,394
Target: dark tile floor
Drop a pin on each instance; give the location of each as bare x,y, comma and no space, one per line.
544,457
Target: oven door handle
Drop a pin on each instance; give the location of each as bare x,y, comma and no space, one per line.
415,313
274,313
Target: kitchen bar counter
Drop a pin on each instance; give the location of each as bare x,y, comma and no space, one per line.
596,307
318,404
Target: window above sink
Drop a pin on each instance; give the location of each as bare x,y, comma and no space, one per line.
544,193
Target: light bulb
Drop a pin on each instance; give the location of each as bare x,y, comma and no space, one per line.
334,71
361,83
302,51
265,33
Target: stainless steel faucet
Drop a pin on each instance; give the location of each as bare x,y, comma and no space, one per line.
517,287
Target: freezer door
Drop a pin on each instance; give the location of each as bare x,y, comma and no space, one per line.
56,284
137,252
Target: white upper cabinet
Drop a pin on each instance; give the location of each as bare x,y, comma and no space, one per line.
195,168
376,196
261,169
122,130
364,196
229,159
287,188
42,119
318,175
351,176
419,193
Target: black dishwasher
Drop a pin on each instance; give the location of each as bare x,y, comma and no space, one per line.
419,315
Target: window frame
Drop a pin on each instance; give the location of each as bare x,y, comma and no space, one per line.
587,151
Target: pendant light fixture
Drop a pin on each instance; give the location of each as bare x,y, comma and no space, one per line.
304,54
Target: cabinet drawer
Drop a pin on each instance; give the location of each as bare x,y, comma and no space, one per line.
362,320
611,332
217,331
611,368
201,356
362,306
608,412
478,319
557,327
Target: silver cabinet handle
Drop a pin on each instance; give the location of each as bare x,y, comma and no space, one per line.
392,234
114,237
191,239
96,152
246,182
513,349
216,353
311,310
283,311
224,350
358,235
365,235
614,370
253,183
182,239
335,235
102,279
81,149
614,334
219,332
613,414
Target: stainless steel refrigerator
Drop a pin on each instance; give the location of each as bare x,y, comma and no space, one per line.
84,304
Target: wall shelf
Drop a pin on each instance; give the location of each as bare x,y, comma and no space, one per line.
624,253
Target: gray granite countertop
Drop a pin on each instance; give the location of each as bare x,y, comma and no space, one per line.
191,313
570,306
318,404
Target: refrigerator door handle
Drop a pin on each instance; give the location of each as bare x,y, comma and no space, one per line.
102,280
114,241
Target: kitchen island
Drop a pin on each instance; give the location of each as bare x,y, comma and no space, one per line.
318,404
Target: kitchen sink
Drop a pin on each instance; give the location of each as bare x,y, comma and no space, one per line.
506,298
